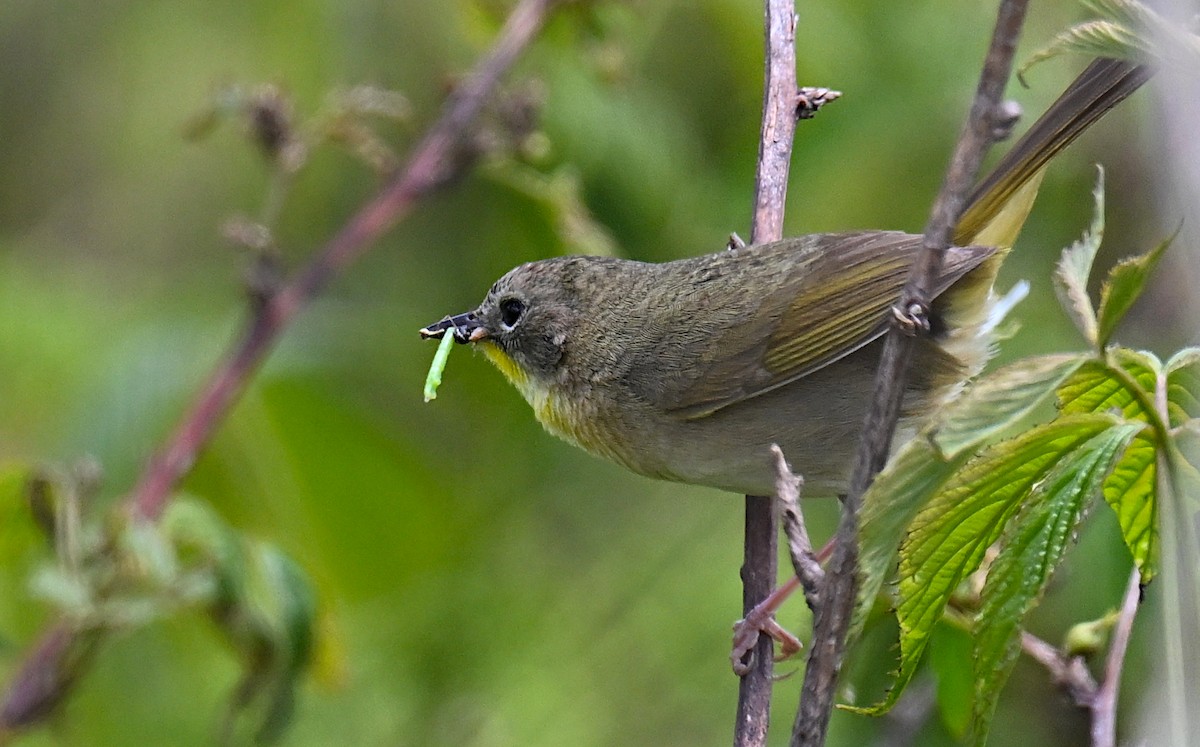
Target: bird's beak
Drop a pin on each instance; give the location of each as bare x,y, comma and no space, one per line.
465,328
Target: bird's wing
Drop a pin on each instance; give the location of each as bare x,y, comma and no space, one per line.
835,297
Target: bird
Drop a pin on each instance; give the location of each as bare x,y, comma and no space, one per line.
690,370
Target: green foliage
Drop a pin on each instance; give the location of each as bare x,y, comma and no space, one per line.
1001,400
1123,382
1125,283
1012,509
121,573
1127,30
1075,267
922,466
258,597
1034,544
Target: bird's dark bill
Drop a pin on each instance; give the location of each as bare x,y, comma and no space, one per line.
465,328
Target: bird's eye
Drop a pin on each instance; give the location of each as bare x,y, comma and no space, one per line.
510,312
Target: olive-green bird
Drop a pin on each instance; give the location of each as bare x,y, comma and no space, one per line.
690,370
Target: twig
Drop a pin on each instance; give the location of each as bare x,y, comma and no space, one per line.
800,549
770,189
431,164
1072,675
837,597
1068,672
1104,705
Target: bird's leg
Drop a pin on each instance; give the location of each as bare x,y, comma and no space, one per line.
761,619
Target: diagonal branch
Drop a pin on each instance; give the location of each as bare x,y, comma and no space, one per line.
837,598
56,659
431,165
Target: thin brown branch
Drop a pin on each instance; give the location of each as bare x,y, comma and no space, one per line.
804,560
1072,675
770,190
1067,672
42,683
430,165
837,598
1104,704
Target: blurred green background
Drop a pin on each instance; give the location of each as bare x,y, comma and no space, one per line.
484,583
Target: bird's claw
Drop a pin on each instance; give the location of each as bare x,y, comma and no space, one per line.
745,636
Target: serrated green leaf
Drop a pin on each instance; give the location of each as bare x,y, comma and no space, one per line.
1095,387
1033,545
1158,38
1128,30
947,539
1183,387
898,492
1092,39
1073,269
1130,489
995,402
1125,283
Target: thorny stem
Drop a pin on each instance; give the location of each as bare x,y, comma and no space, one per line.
44,679
832,620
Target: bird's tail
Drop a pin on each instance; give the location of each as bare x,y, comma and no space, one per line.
998,206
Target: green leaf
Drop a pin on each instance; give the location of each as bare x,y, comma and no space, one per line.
1073,269
1031,549
889,505
1156,38
273,626
1183,387
1125,283
1097,387
990,405
203,539
1092,39
1000,399
1125,383
947,539
1131,492
265,606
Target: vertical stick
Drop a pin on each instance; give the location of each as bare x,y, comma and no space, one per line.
770,191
